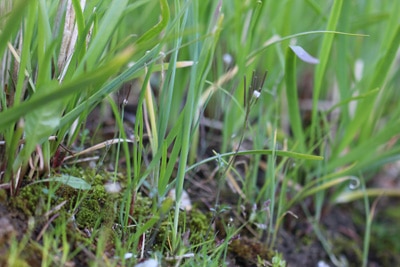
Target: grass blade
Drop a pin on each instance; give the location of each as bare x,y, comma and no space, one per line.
321,67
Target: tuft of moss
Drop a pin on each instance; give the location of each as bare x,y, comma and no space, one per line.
199,225
194,222
97,205
142,208
29,200
247,251
88,214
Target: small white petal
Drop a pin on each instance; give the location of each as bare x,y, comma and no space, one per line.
256,94
112,187
322,264
186,204
128,255
227,58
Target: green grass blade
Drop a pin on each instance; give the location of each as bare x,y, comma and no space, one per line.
166,99
111,86
45,46
350,196
281,153
12,24
191,13
100,40
293,100
25,53
321,67
156,29
379,76
56,92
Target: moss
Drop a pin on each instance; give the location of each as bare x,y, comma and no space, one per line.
3,195
95,210
247,251
29,200
92,176
97,205
198,225
78,172
65,192
88,213
99,193
195,223
142,208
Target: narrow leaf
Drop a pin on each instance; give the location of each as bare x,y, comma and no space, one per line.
156,29
281,153
74,182
293,99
